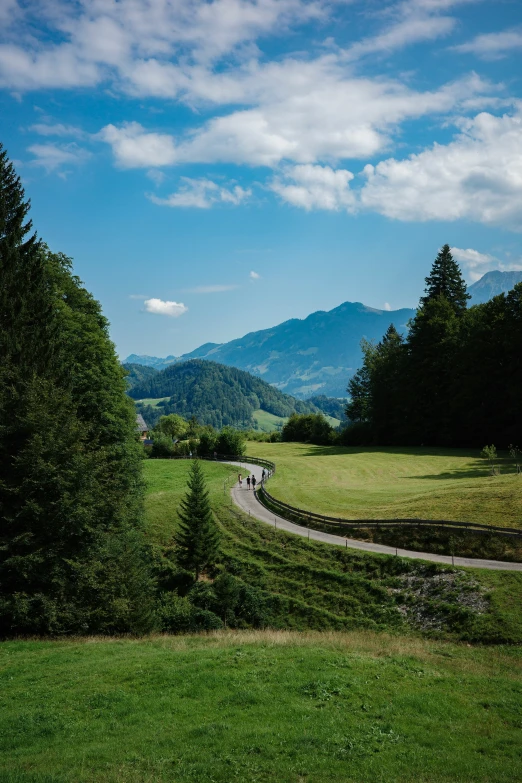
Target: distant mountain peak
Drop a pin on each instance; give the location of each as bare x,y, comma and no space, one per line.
492,284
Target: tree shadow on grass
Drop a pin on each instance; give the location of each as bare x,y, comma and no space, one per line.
403,451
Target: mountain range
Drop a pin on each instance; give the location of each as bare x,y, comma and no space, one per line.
318,355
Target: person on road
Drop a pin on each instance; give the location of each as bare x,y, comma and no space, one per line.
253,481
263,475
240,479
248,482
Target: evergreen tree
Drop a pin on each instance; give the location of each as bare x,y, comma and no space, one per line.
359,387
72,554
387,387
197,538
446,280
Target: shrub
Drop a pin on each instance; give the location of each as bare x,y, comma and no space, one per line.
162,445
230,441
179,615
207,443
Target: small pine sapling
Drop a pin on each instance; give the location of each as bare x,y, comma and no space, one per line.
490,453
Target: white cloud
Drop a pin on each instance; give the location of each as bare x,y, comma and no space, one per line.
315,187
474,262
387,306
202,193
478,176
306,112
477,264
156,176
52,157
492,46
404,33
106,40
58,129
211,289
133,147
255,275
158,306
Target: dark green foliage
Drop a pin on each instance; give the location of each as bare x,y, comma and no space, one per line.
310,428
358,408
72,557
455,380
217,395
446,280
179,615
207,442
174,426
197,539
138,374
230,442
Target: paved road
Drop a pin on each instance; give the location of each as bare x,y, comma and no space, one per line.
247,500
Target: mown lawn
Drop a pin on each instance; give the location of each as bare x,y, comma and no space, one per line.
387,483
259,706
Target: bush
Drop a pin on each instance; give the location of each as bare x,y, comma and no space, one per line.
162,445
230,441
179,615
207,443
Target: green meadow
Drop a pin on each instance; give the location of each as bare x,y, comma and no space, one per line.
359,674
259,706
373,483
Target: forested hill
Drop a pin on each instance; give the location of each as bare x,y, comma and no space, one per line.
138,374
215,394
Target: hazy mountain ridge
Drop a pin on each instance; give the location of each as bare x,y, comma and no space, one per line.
318,354
492,284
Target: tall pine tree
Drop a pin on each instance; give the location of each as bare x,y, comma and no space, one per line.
72,554
197,539
445,279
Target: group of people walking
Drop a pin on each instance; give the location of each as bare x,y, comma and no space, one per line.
251,481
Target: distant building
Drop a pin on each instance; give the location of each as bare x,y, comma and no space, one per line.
141,427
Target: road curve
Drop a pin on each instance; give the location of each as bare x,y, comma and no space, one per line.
247,500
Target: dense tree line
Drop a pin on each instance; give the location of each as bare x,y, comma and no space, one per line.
455,380
215,394
72,554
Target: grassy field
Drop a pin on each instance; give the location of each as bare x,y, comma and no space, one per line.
153,401
378,703
259,706
309,585
390,483
268,422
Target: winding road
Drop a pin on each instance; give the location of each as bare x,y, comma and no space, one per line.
247,501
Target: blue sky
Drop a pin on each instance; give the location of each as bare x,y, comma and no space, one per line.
214,168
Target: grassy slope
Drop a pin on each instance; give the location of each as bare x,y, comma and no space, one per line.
153,401
393,482
314,585
350,707
268,422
